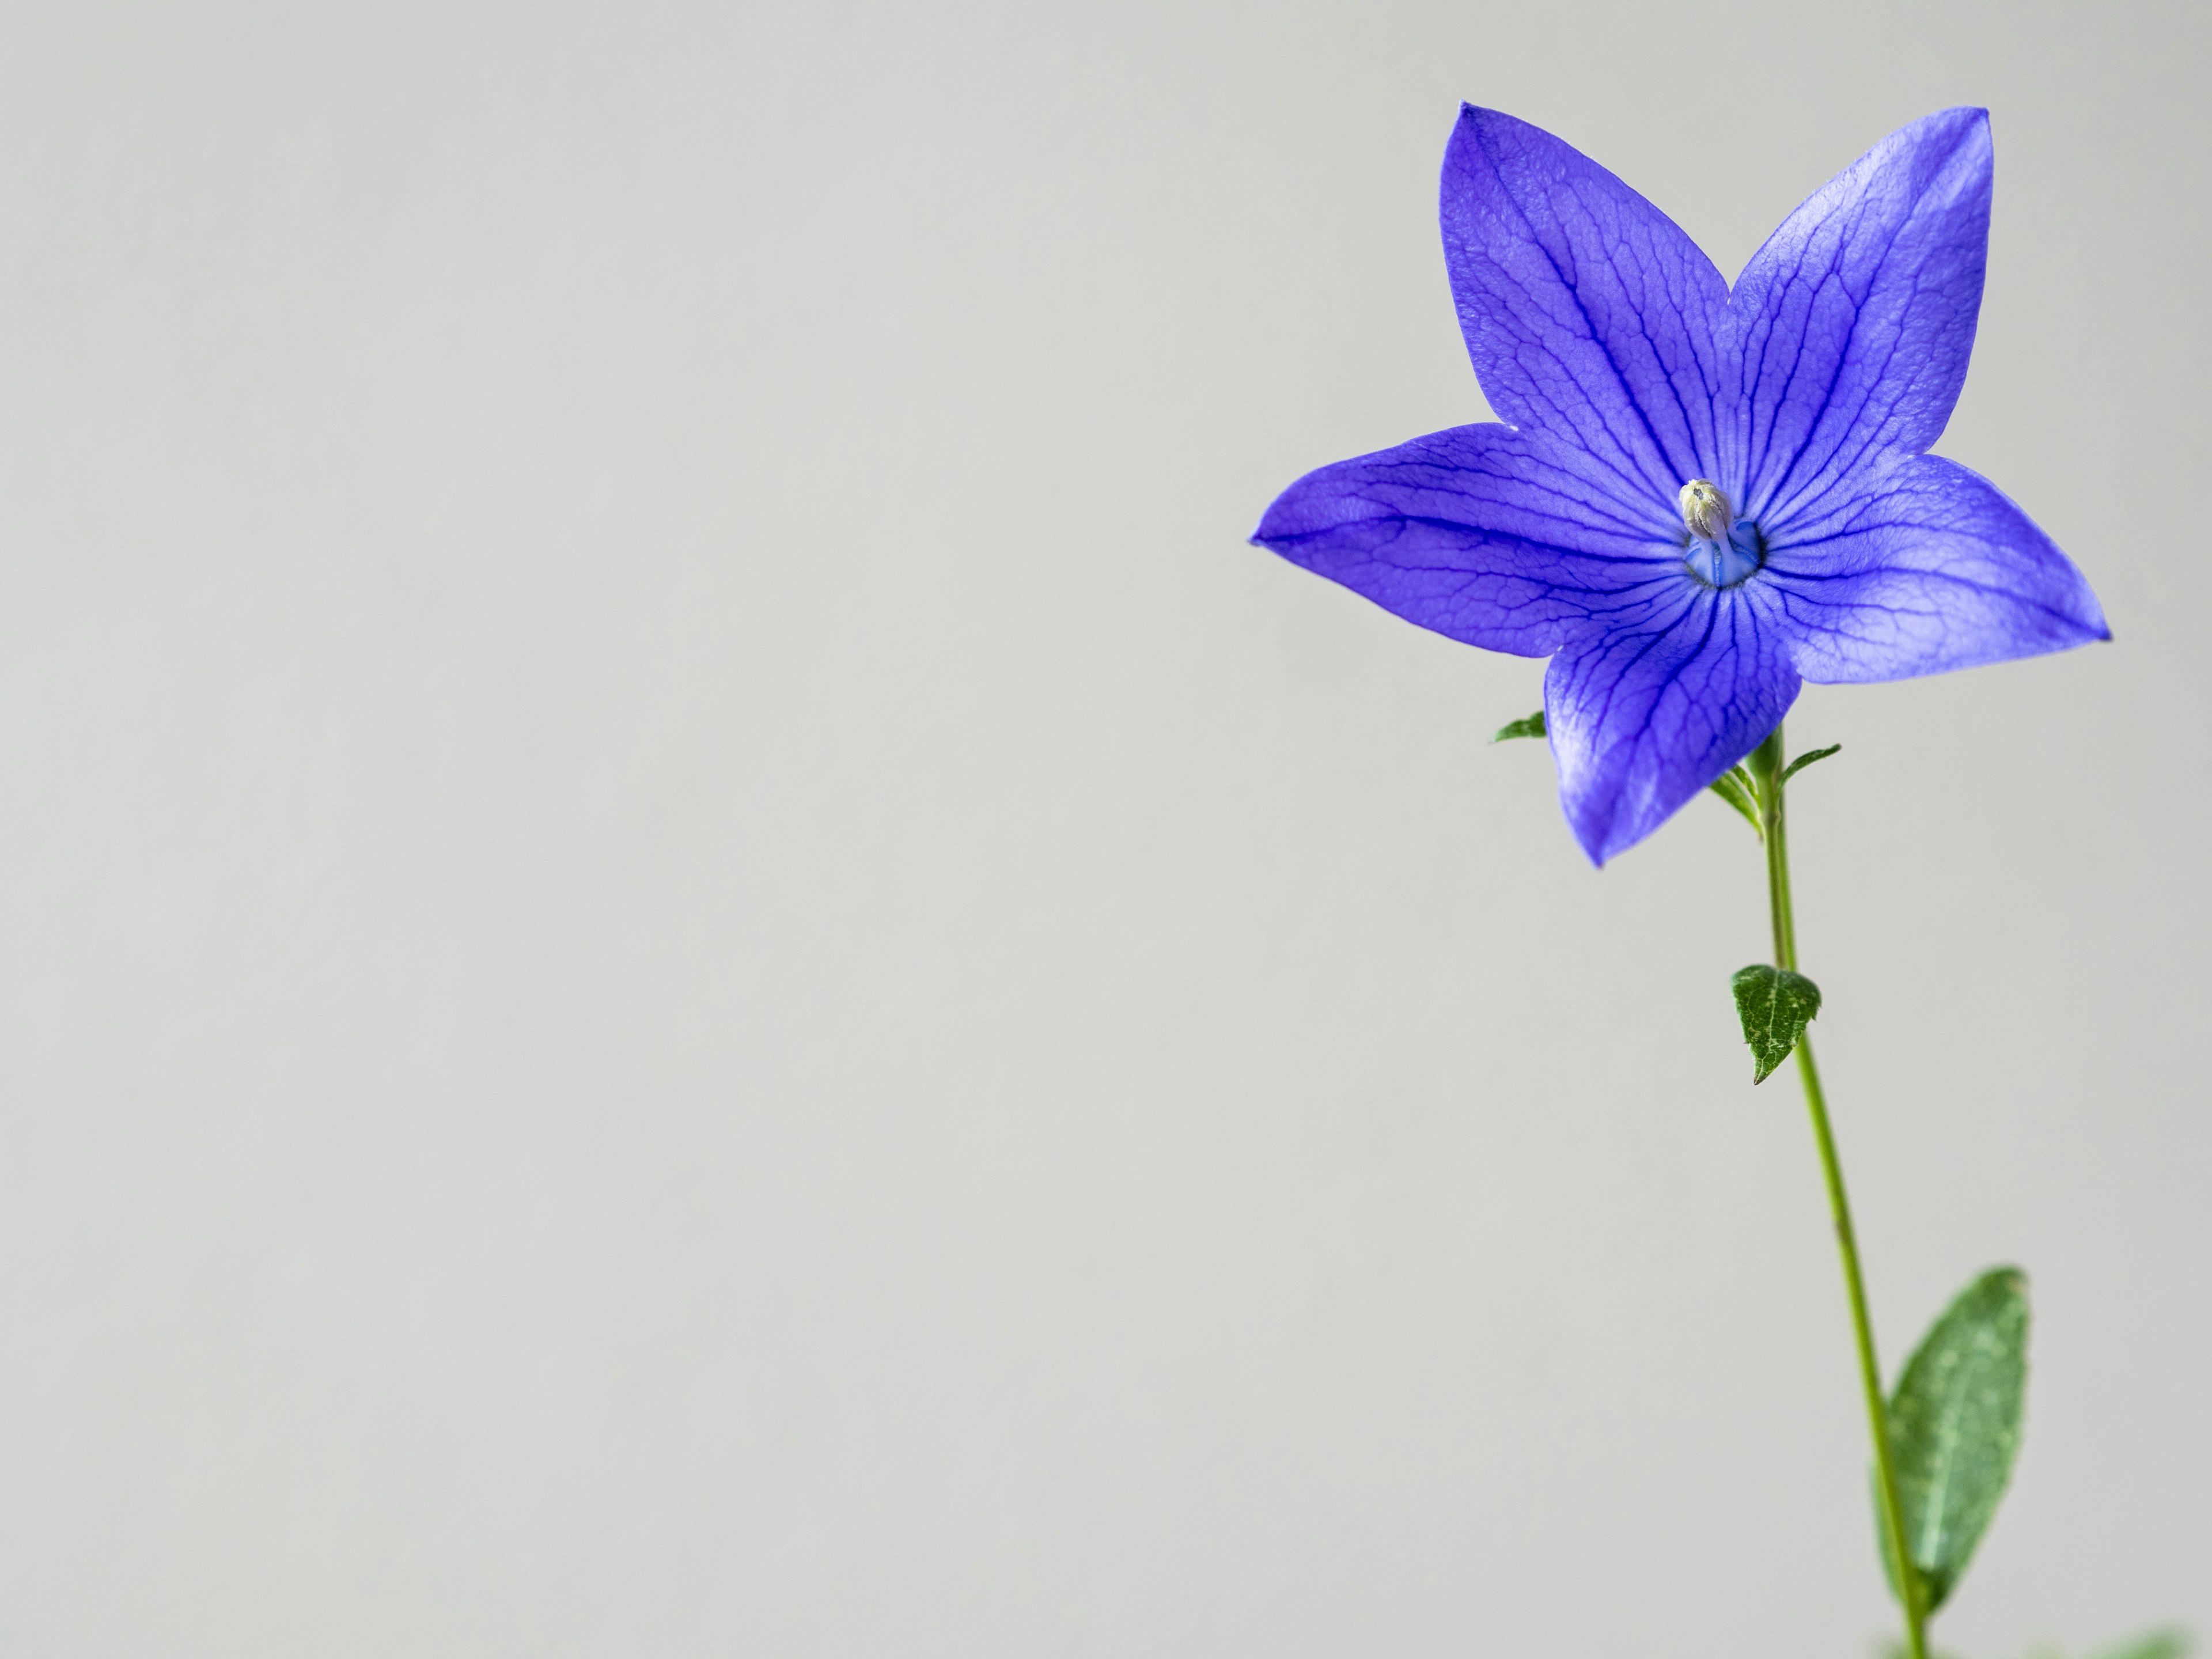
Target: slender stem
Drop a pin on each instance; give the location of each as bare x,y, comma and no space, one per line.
1766,766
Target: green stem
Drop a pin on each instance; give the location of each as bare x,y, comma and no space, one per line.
1766,766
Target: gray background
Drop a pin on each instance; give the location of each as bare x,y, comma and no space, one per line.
695,963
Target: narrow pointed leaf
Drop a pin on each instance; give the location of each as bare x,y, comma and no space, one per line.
1954,1427
1775,1005
1807,759
1530,726
1734,787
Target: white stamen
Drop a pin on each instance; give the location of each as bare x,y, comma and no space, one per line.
1706,511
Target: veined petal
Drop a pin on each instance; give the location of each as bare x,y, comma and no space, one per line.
1588,312
1855,321
1931,569
1645,713
1501,539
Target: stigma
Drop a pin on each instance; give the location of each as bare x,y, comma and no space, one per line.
1706,511
1723,549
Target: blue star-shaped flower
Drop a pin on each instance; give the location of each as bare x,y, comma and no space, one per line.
1703,497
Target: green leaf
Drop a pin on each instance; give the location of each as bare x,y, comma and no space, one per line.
1533,726
2169,1644
1807,759
1775,1005
2172,1643
1954,1427
1735,786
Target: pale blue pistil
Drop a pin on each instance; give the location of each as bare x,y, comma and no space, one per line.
1723,564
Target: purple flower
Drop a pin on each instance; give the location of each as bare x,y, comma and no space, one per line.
1702,496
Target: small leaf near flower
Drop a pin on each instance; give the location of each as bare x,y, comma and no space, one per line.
1531,726
1954,1428
1735,786
1775,1005
1807,759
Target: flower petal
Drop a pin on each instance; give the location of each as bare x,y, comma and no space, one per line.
1855,321
1646,714
1588,312
1932,569
1501,539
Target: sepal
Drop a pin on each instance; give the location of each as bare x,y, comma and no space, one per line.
1807,759
1529,726
1736,787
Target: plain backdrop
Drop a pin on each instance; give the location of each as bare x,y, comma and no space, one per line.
693,961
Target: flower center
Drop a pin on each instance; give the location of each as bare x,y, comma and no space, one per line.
1723,549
